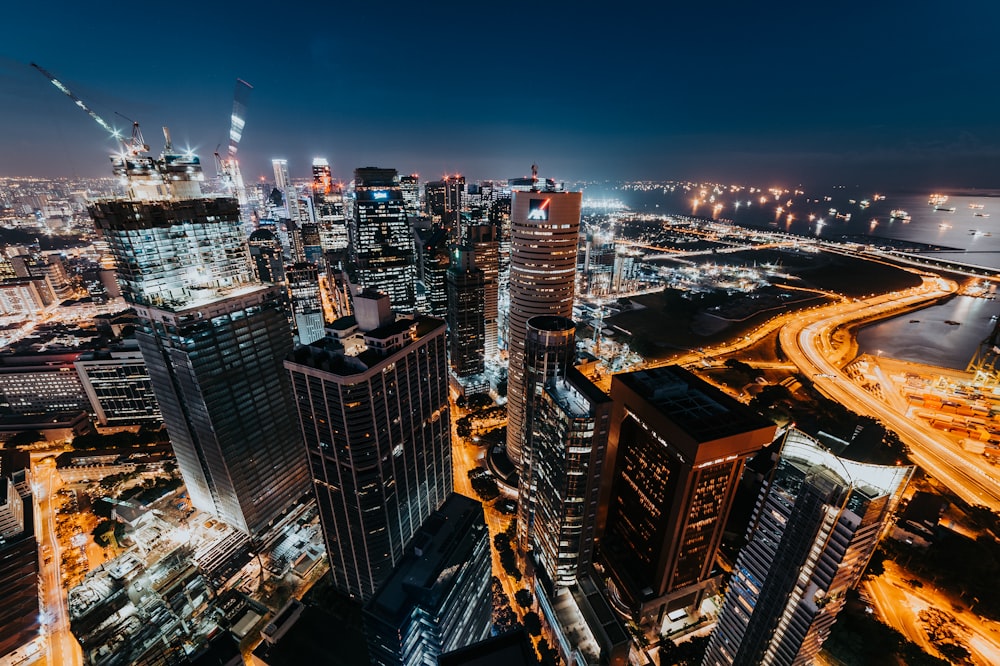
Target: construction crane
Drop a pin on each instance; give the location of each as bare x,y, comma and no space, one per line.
134,145
228,167
984,362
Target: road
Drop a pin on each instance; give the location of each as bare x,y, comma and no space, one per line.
898,604
808,343
63,648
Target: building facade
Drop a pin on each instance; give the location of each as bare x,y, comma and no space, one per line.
304,296
678,447
377,429
439,597
213,340
814,529
545,226
466,323
118,385
20,612
381,241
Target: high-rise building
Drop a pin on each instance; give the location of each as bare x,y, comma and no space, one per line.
444,199
465,315
815,526
678,447
434,263
482,239
322,178
439,597
213,340
307,306
265,253
572,420
377,429
549,348
410,185
19,613
545,225
381,240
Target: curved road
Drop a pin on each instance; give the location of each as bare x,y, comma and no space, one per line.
807,342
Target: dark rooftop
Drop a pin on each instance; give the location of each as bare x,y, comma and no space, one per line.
510,649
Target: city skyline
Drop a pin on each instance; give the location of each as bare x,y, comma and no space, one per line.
893,97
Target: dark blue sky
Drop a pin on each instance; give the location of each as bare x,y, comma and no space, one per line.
887,94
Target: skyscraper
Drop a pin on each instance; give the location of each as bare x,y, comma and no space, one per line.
322,178
283,182
20,620
466,323
815,526
410,186
678,447
212,338
482,238
381,239
439,597
549,348
378,433
572,420
307,308
265,253
545,225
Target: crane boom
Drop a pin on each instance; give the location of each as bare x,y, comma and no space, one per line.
69,93
238,120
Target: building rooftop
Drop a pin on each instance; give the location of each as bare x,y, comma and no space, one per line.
432,552
510,649
698,408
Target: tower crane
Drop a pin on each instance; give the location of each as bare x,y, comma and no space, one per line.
229,167
133,146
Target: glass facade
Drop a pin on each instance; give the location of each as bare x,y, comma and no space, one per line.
381,239
377,429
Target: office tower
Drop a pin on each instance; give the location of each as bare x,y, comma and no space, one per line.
439,598
312,248
434,262
549,348
382,251
815,526
322,179
410,186
482,238
283,183
265,253
444,200
545,225
307,306
378,433
19,613
213,340
118,385
465,315
678,448
572,420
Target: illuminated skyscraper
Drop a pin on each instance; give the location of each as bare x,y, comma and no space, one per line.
20,617
815,526
410,185
545,225
678,447
482,239
465,315
212,337
322,178
377,429
307,308
283,182
381,239
265,253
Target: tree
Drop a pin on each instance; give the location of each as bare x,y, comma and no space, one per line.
532,623
547,654
523,597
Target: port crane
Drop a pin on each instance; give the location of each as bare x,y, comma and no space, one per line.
131,146
228,167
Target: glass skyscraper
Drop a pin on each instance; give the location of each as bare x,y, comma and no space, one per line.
213,339
815,526
377,428
381,240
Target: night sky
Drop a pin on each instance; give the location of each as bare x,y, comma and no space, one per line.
887,94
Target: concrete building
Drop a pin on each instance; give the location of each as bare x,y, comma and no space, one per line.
119,387
307,307
212,337
439,597
676,452
814,529
545,225
377,428
466,323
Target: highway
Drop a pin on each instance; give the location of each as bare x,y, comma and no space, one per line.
63,648
808,343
